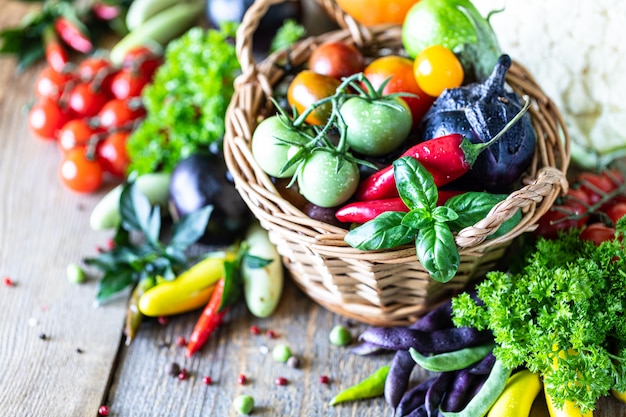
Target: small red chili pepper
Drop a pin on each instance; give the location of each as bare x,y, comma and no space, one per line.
105,12
447,158
210,319
56,55
74,34
364,211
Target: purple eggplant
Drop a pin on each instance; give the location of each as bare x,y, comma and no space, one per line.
479,111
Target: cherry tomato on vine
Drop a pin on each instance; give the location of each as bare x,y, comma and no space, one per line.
128,83
75,132
46,117
437,68
570,213
336,59
374,12
113,155
399,71
143,60
327,179
79,172
118,113
308,87
616,212
96,69
85,100
595,185
597,233
52,83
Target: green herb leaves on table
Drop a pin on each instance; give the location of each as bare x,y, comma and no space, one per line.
138,251
562,315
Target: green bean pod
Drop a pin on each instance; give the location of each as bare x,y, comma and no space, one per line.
480,404
451,361
370,387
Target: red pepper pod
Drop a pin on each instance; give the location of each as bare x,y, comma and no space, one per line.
210,319
443,157
73,34
56,55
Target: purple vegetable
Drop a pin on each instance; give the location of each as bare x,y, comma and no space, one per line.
365,349
437,391
437,341
485,365
479,111
418,412
467,383
398,377
436,319
414,398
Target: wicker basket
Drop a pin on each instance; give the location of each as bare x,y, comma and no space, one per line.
390,287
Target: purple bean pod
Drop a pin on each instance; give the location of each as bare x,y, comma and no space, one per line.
397,382
437,391
414,398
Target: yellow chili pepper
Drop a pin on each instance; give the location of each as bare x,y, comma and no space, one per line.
569,409
517,398
620,395
189,291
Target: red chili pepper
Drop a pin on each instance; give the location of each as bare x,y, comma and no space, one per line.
447,158
210,319
105,12
364,211
56,55
73,34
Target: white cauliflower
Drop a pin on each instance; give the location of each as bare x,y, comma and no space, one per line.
576,53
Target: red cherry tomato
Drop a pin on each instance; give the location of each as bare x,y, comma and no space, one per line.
98,70
76,132
308,87
113,155
336,59
80,173
128,83
616,212
399,71
597,233
46,117
118,113
51,83
436,68
595,185
569,214
85,100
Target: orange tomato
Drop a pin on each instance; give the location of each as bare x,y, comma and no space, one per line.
373,12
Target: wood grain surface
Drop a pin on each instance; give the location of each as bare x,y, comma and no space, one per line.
62,357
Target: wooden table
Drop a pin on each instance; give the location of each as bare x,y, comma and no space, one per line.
62,357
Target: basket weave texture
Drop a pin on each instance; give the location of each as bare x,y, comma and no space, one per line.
382,288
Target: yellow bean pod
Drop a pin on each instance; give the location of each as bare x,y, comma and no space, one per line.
517,398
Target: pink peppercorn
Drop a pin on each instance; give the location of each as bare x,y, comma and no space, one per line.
163,320
207,380
255,330
103,410
183,374
271,334
180,341
281,381
241,379
324,379
8,282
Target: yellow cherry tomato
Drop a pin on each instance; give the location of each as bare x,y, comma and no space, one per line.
436,68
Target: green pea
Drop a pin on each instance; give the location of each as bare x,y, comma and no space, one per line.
244,404
451,361
75,273
340,336
281,353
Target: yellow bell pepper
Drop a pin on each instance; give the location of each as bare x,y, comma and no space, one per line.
517,398
189,291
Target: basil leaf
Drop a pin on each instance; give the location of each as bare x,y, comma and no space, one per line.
418,218
437,251
415,184
386,231
113,282
191,227
135,208
153,226
474,206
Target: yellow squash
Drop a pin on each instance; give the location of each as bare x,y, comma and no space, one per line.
517,398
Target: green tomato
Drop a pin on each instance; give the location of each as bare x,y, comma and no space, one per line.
376,127
458,26
327,179
273,143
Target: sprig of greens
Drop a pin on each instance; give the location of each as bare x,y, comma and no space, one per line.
138,251
563,316
429,226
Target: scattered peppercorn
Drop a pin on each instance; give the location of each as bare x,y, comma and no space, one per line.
241,379
172,369
79,350
255,330
207,380
103,410
181,341
271,334
43,336
324,379
281,353
244,404
293,362
340,336
281,381
183,374
163,320
8,282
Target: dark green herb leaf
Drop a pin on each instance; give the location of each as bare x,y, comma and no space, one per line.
437,251
255,262
113,282
153,225
134,208
191,227
415,184
444,214
384,232
418,218
233,283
